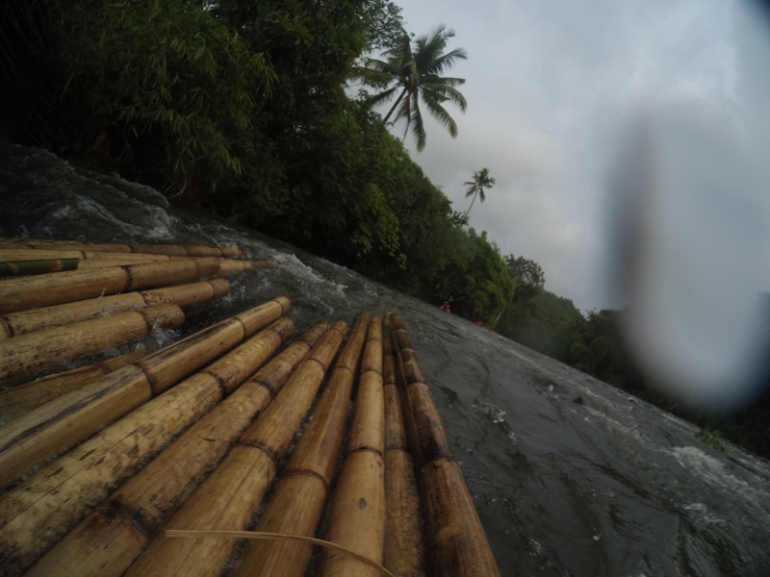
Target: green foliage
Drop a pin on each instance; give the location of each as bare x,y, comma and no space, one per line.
476,186
527,274
384,25
415,73
160,89
475,278
541,320
598,349
713,438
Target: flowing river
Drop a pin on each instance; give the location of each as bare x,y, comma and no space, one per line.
570,476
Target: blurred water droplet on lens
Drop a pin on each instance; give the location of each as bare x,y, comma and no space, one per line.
690,242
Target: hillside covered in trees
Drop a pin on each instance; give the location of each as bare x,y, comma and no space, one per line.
244,109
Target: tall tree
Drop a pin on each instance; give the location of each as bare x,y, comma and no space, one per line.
481,180
525,272
414,72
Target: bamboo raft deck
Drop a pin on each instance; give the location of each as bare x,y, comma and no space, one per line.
183,461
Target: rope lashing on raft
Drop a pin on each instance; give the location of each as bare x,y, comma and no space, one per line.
187,533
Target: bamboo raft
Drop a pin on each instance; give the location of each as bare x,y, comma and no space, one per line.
185,461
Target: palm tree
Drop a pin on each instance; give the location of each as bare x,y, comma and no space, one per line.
481,180
416,71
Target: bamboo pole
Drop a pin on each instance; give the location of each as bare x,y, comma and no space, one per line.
24,357
357,519
123,260
93,256
68,245
41,509
84,256
27,321
228,266
457,545
297,501
21,400
188,250
28,440
404,550
229,498
167,249
18,294
23,253
109,539
37,266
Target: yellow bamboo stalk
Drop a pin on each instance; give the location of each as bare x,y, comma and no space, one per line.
68,245
82,255
18,294
299,496
15,324
168,365
230,496
24,357
124,260
126,257
457,545
108,540
263,536
357,519
41,509
17,253
37,266
228,266
404,550
21,400
188,250
28,440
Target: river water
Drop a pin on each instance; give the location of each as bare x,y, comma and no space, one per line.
570,476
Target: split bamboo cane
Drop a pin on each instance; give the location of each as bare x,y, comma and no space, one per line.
108,540
297,501
26,356
15,324
38,266
357,519
44,506
404,551
59,424
18,294
21,400
457,545
229,498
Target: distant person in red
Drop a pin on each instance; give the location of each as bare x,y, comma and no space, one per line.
446,306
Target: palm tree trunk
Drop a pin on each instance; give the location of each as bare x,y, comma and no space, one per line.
400,96
471,206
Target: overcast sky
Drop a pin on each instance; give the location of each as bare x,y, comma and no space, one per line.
550,87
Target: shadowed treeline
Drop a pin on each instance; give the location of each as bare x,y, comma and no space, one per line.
241,109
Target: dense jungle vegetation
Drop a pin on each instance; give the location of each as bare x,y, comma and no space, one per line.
245,109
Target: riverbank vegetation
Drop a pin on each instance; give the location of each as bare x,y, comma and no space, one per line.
245,109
